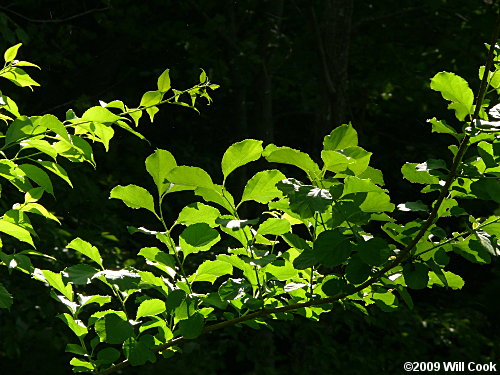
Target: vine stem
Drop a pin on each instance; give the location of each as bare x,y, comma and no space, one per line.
395,262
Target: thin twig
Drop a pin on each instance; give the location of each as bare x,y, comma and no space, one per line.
55,20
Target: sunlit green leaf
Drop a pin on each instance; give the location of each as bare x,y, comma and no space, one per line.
150,307
11,52
198,237
190,176
211,270
86,249
164,81
239,154
341,137
158,165
134,196
456,90
262,186
198,213
99,114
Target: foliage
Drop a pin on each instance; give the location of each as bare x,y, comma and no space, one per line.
327,238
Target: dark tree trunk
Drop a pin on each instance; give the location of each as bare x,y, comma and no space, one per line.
332,30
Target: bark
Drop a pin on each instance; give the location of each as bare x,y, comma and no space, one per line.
332,30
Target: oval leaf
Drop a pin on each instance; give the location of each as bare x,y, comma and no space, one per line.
134,196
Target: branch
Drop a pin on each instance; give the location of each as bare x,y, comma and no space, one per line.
60,20
398,260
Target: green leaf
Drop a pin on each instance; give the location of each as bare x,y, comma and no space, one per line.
6,299
190,176
97,131
16,231
357,271
75,349
56,169
52,122
76,326
387,301
164,81
473,250
20,78
113,329
239,154
198,237
125,279
198,213
334,286
139,352
87,300
39,176
456,90
217,195
100,114
158,165
40,145
211,270
192,327
56,282
416,275
357,185
305,200
124,125
454,281
281,270
86,249
160,260
360,159
136,114
134,197
374,252
152,111
151,98
150,307
203,76
332,248
287,155
11,53
81,366
340,138
440,126
39,210
232,289
374,202
274,226
335,161
80,274
262,187
413,206
419,173
108,355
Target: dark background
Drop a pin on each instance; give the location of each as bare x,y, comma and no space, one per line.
290,71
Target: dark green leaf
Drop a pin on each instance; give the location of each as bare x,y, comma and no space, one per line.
192,327
6,299
198,237
332,248
112,329
416,275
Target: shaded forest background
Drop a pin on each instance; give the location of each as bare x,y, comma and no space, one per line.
290,71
